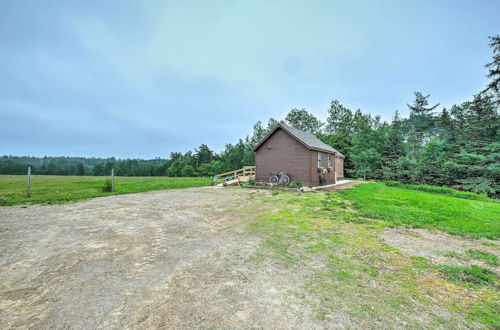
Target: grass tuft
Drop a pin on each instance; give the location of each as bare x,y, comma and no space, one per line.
469,275
487,257
487,313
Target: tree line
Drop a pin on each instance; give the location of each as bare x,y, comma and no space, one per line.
456,146
82,166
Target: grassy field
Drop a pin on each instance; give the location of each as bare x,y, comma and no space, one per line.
336,237
47,189
399,206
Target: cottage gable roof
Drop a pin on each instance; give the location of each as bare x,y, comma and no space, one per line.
307,139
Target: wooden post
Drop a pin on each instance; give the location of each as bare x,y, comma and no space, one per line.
29,182
112,180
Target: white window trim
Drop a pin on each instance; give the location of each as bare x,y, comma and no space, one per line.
320,159
329,161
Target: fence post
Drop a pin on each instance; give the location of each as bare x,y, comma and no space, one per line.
29,182
112,180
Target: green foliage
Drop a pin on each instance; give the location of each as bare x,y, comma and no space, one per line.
430,162
296,184
212,168
368,144
108,186
175,168
365,162
421,119
187,170
303,120
469,275
494,65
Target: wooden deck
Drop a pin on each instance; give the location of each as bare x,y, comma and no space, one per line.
232,178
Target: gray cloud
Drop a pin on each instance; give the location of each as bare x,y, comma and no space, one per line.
137,79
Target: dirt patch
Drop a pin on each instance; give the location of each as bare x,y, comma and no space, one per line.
169,259
343,186
440,247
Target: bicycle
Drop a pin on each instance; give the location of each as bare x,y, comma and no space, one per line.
279,177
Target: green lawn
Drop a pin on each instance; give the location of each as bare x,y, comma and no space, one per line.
46,189
400,206
336,239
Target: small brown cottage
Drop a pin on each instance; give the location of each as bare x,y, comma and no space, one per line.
301,155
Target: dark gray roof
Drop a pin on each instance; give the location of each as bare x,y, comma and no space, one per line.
311,141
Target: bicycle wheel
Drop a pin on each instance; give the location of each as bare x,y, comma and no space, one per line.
285,179
274,179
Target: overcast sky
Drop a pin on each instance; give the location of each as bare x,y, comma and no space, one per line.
144,78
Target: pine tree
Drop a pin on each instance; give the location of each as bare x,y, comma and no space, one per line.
203,155
444,125
420,122
494,66
396,148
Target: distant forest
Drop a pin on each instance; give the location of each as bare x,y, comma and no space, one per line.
459,146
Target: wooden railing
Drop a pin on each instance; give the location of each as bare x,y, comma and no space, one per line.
246,172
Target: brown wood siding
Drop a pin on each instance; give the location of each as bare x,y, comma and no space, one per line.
282,152
339,168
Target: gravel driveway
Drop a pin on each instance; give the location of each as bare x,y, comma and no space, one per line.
168,259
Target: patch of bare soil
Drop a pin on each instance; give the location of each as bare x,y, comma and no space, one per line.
438,246
169,259
343,186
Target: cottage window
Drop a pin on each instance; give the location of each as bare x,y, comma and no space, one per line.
329,161
319,159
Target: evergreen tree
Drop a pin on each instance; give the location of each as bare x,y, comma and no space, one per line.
494,66
444,125
482,126
203,154
420,121
431,160
395,149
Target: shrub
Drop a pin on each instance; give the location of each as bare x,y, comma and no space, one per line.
107,186
251,182
296,184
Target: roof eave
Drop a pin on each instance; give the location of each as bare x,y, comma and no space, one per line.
323,150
